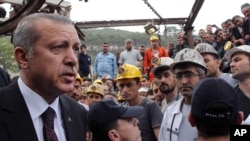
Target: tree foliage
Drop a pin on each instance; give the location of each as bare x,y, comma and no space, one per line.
116,37
6,55
94,39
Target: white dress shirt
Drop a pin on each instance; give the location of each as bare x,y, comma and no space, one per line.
37,105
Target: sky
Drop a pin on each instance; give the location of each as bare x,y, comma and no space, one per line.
212,11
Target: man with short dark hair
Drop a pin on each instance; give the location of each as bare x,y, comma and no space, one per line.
167,83
213,62
105,65
214,108
109,121
245,10
84,62
239,58
179,46
145,81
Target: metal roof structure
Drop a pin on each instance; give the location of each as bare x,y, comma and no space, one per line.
50,6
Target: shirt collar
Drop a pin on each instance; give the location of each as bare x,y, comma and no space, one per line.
105,53
35,103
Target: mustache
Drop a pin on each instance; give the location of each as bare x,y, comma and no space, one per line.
164,85
185,86
72,71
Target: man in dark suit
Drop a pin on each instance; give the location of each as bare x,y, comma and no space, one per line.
45,50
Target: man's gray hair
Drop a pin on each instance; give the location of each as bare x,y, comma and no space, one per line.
129,40
26,33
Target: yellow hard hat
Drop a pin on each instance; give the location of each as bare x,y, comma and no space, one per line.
78,77
128,71
154,37
96,88
98,81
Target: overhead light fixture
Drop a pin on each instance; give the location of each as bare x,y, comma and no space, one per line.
150,28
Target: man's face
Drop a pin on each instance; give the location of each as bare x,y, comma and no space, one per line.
93,98
75,94
246,11
109,83
128,129
167,82
128,88
201,32
144,82
170,47
187,78
239,21
180,41
53,60
83,99
209,28
207,38
129,45
212,64
230,25
83,50
142,49
86,83
105,88
105,48
154,43
158,95
220,34
240,66
117,56
224,27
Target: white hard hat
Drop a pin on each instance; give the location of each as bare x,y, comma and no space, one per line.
188,55
231,52
206,48
165,63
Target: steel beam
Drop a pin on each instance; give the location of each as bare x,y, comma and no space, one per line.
193,14
114,23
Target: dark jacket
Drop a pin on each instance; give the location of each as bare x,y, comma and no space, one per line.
16,123
4,78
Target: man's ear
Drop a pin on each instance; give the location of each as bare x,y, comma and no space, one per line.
113,135
191,120
218,61
240,118
20,55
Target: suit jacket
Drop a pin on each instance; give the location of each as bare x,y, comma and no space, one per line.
16,123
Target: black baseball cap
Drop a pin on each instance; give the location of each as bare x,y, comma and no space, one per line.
209,92
104,112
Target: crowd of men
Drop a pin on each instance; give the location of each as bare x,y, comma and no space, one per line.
176,93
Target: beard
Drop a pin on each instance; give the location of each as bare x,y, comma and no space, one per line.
142,54
166,89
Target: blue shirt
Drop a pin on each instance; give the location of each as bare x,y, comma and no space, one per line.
105,64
